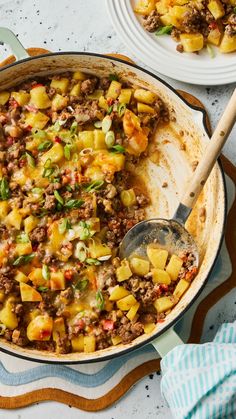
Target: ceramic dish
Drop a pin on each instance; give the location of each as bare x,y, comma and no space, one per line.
177,148
161,55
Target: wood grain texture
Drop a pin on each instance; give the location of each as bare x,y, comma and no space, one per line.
149,367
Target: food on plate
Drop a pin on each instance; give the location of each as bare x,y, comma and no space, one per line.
67,198
193,24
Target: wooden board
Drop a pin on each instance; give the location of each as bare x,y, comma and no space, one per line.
151,366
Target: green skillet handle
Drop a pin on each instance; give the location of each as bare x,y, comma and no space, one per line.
167,341
9,38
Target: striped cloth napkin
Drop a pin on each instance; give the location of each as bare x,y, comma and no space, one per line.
199,381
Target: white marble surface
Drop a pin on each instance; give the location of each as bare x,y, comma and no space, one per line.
83,25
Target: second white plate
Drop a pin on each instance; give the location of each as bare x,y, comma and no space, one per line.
160,53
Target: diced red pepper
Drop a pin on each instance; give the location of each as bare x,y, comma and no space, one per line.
213,25
28,128
191,274
108,324
57,139
45,334
53,268
10,140
36,85
110,101
22,162
164,287
161,321
68,274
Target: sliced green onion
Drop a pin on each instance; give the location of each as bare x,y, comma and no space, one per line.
23,259
22,238
42,289
81,285
59,197
113,77
165,30
106,124
45,272
117,149
110,109
98,124
121,109
30,159
80,251
210,51
85,230
4,190
94,186
48,172
92,261
67,151
64,225
74,127
110,139
45,145
100,300
47,164
74,203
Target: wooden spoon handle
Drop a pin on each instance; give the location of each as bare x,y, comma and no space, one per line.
211,154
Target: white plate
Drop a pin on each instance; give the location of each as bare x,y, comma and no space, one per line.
161,55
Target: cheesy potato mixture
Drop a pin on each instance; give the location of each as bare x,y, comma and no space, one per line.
68,144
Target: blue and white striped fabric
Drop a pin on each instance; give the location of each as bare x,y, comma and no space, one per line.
199,381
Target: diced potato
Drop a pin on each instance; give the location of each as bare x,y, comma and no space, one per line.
59,102
4,96
4,207
57,281
109,162
59,329
56,153
7,316
163,6
114,89
62,84
177,14
89,344
128,197
78,75
23,248
30,223
40,328
95,95
118,293
55,237
102,103
28,293
216,8
21,277
123,272
180,288
22,98
87,139
97,250
94,173
174,267
166,19
126,303
145,7
99,140
139,266
125,96
228,44
39,97
14,219
116,340
149,327
143,108
145,96
78,344
192,41
36,276
133,311
75,91
157,256
164,304
215,36
33,144
36,120
159,276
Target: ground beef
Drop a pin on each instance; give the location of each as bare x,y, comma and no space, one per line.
143,289
53,187
38,234
19,309
104,83
102,341
19,337
88,86
106,276
6,283
142,200
47,305
152,22
86,112
130,331
50,202
148,318
67,294
110,191
230,29
63,345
